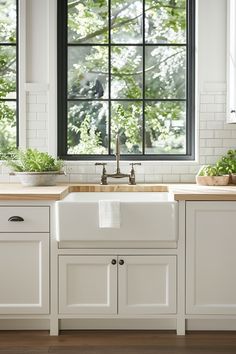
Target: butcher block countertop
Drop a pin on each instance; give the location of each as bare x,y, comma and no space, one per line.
180,191
14,191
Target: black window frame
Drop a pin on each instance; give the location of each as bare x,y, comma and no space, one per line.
62,99
16,45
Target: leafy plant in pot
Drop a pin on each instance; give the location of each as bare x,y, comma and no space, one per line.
229,163
213,175
35,168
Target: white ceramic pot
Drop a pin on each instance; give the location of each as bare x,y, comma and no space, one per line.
30,179
212,180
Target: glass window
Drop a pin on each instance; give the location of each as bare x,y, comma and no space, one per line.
8,76
126,67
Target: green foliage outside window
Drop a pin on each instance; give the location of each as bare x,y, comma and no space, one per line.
155,73
8,27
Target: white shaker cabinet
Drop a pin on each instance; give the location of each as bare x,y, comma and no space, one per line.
147,285
24,260
211,258
88,285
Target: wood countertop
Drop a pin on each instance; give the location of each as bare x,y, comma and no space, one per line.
14,191
181,191
198,193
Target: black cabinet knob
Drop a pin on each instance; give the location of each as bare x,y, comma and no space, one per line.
113,262
15,218
121,261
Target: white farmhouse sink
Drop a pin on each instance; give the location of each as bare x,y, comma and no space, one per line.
145,216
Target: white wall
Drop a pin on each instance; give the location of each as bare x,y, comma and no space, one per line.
214,136
37,41
211,42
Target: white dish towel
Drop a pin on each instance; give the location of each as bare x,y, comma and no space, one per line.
109,214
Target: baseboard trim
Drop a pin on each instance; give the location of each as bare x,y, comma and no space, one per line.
211,325
119,324
24,324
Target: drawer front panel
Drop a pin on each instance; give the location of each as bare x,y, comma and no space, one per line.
24,219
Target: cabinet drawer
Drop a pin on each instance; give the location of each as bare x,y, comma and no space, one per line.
33,219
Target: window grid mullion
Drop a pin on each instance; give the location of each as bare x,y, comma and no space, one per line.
143,101
109,77
128,99
127,44
3,44
17,73
8,99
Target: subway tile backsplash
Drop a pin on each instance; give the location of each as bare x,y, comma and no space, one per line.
215,137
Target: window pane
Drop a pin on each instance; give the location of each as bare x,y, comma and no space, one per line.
88,72
87,21
126,72
165,128
7,127
126,56
7,21
165,72
87,128
126,119
7,72
165,21
126,21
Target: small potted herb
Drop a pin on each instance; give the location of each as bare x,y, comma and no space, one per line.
213,175
228,161
35,168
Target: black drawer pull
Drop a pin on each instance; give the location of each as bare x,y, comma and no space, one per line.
113,262
121,262
16,218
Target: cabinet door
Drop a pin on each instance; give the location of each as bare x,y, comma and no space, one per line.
24,273
211,257
87,285
147,285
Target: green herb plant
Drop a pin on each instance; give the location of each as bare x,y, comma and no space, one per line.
32,160
224,166
227,163
209,170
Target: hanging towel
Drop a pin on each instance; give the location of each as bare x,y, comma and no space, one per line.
109,214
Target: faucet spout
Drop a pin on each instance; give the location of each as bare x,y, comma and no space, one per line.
117,173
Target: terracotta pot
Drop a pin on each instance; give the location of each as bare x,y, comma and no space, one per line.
212,180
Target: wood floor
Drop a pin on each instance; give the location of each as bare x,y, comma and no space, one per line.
117,342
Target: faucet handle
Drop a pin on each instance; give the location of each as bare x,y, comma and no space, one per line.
103,176
132,173
135,163
103,164
100,164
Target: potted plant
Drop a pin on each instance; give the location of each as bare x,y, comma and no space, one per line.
229,163
35,168
213,175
